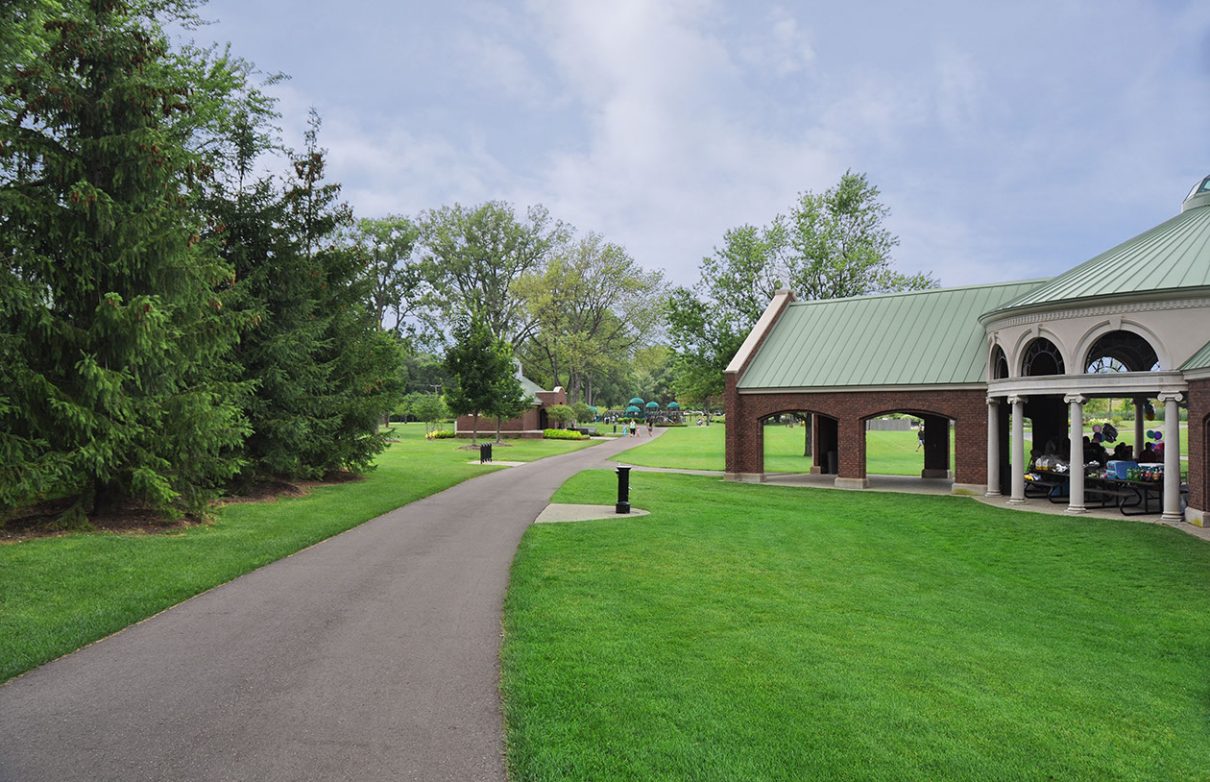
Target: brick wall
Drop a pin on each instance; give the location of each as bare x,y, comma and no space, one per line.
967,408
524,425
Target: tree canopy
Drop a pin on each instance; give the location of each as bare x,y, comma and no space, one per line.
172,321
832,244
476,256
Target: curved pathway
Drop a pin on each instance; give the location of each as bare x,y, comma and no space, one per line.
373,655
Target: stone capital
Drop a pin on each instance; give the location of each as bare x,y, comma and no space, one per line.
1075,399
1017,399
993,400
1170,396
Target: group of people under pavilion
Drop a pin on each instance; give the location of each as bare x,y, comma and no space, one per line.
1132,323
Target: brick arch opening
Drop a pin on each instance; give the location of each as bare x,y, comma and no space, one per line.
1199,469
819,446
967,408
933,442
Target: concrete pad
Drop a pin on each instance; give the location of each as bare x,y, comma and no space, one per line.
498,463
559,512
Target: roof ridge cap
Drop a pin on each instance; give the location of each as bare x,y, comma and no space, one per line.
894,294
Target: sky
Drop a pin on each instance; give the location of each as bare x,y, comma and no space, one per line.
1009,140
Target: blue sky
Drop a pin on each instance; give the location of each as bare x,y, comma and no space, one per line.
1010,140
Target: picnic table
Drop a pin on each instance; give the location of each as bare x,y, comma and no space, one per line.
1130,497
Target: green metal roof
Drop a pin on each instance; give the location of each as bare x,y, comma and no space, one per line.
1173,255
923,338
1200,359
529,387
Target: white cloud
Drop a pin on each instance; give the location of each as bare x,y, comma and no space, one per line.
670,161
960,91
1008,144
398,170
781,46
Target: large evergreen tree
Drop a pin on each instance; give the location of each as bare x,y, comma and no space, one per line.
111,330
276,290
362,365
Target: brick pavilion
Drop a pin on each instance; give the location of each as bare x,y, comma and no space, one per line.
1132,322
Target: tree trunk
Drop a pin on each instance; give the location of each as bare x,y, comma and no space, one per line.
474,428
497,428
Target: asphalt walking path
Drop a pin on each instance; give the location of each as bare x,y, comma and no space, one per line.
373,655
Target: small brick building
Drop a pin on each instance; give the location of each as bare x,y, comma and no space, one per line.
1132,322
528,424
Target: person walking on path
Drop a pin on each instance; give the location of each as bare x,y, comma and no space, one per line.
634,428
650,427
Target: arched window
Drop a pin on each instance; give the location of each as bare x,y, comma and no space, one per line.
1042,357
999,364
1121,351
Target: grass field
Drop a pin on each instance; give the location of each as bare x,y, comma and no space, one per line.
702,448
763,633
57,594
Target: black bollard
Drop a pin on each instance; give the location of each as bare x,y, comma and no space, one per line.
623,505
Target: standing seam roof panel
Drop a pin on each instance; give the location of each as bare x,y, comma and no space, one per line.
1172,255
920,338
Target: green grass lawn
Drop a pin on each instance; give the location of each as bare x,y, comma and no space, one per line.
702,448
887,453
57,594
765,633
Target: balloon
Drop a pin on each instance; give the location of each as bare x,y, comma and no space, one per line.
1096,428
1096,438
1159,436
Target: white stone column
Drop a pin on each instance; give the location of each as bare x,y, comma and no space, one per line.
1018,456
1075,502
993,447
1139,426
1172,457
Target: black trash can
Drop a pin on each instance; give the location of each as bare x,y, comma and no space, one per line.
485,453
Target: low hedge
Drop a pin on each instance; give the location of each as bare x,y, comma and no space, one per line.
439,434
562,434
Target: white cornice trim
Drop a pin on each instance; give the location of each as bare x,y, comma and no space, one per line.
1124,384
1011,319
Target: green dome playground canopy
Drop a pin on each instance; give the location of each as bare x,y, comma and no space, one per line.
637,402
653,405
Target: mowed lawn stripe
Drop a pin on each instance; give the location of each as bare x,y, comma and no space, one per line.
756,632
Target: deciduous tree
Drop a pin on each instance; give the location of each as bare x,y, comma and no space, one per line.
475,256
475,366
593,306
833,244
398,290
